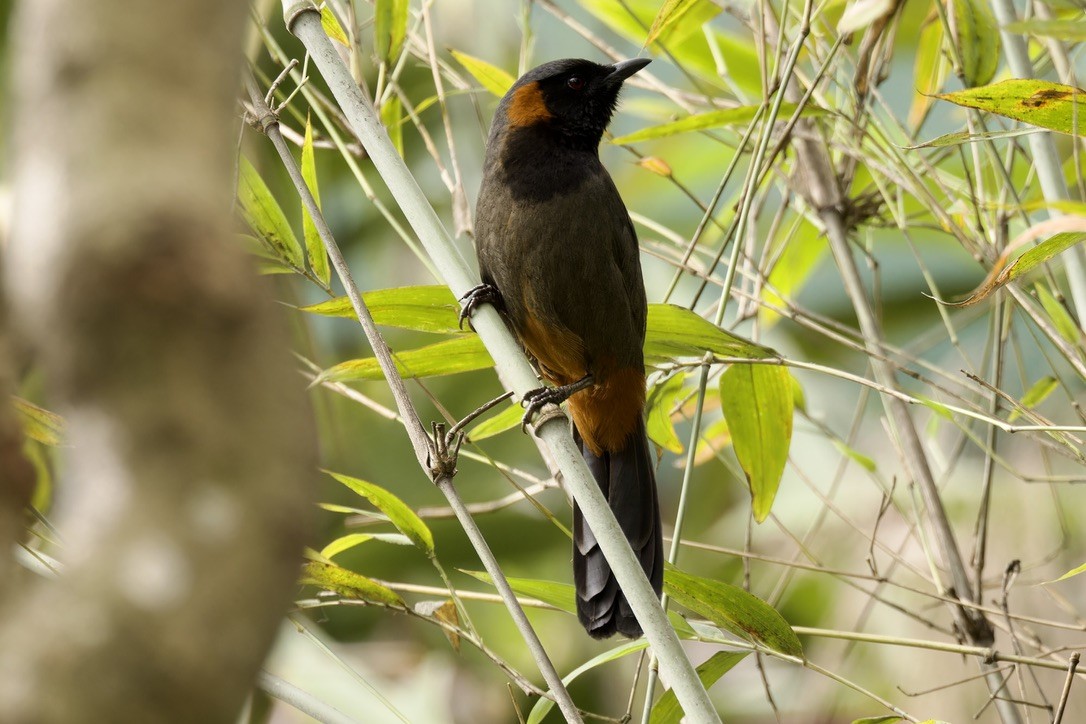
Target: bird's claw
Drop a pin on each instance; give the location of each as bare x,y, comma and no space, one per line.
535,400
479,294
444,450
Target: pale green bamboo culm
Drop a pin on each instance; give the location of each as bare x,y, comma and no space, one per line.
303,20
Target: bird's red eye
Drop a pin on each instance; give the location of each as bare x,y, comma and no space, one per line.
575,82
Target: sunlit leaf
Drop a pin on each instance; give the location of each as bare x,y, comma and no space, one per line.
1071,573
888,719
543,705
757,403
713,439
976,36
668,710
423,309
661,398
507,419
861,13
655,165
929,70
491,77
670,13
802,252
560,595
1035,395
392,120
389,28
331,26
349,584
1063,29
1002,273
675,331
962,137
401,516
856,456
449,357
1061,318
38,423
314,247
711,119
344,543
1036,102
262,213
734,609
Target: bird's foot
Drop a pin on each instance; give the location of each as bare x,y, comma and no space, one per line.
535,400
444,451
479,294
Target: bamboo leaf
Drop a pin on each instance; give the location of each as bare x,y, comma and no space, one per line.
732,608
449,357
1002,273
861,13
401,516
332,28
929,71
1057,312
1035,395
963,137
263,214
1071,573
318,257
1073,29
494,79
543,705
888,719
389,29
856,456
711,119
668,710
976,36
392,119
507,419
661,398
1039,103
344,543
674,331
38,423
670,13
349,584
560,595
423,308
758,405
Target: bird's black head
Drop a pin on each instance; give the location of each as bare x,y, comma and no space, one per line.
573,99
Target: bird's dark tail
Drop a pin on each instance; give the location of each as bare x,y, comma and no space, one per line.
627,480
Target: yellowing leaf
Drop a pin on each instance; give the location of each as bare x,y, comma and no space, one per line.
929,71
655,165
1035,395
430,308
331,26
38,423
344,543
758,405
494,79
670,13
264,216
401,516
318,257
349,584
392,120
1071,573
1036,102
1002,273
1073,29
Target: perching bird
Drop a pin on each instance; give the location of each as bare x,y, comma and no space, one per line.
559,256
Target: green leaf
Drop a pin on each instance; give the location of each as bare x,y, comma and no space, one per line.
460,354
262,213
1057,312
1035,395
661,399
1064,29
670,13
332,28
976,35
1037,255
962,137
668,710
711,119
560,595
392,120
758,405
344,543
494,79
507,419
929,71
1071,573
423,309
856,456
888,719
314,247
543,705
389,29
732,608
38,423
1036,102
674,331
405,519
349,584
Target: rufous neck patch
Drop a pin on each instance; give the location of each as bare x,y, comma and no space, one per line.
527,106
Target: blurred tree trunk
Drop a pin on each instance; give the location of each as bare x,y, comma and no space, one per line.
182,505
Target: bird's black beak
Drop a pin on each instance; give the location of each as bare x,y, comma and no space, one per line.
624,69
